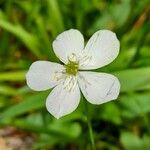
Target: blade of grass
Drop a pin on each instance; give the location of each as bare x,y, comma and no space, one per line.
30,41
29,103
7,90
55,17
12,76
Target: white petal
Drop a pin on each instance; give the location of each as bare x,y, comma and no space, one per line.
68,42
63,99
98,88
43,75
102,49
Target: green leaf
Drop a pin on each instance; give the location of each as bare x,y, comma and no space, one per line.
27,38
54,130
3,101
7,90
134,79
108,110
131,141
29,103
12,76
64,127
55,16
135,104
68,129
118,13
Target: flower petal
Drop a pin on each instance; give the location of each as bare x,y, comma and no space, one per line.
98,88
63,99
102,49
43,75
68,42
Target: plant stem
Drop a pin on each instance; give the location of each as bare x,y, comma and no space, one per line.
90,127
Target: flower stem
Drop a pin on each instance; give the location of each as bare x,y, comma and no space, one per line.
90,128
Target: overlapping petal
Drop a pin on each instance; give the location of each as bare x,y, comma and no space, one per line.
63,99
44,75
101,49
67,43
98,88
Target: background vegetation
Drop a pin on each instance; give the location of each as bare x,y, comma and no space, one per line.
27,29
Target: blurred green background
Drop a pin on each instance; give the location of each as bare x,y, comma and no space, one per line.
27,29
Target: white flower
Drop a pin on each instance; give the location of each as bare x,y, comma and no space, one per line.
67,80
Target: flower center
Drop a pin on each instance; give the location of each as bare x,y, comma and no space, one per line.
72,67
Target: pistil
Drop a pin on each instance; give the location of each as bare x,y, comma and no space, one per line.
72,67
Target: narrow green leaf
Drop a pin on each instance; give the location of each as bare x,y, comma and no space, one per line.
12,76
30,103
28,39
55,16
7,90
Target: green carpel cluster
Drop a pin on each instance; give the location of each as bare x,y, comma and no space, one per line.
72,68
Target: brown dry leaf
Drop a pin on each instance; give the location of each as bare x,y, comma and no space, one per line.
3,144
14,139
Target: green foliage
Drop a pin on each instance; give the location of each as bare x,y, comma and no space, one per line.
132,141
27,29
